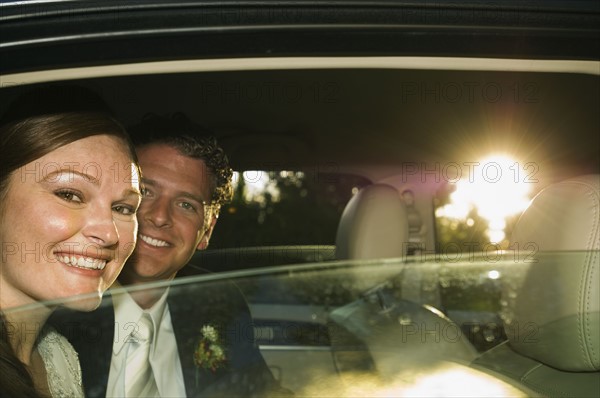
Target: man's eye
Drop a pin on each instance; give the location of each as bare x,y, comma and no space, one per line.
145,192
69,196
187,206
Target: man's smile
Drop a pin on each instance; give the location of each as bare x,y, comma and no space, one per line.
153,242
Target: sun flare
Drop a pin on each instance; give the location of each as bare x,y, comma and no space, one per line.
498,188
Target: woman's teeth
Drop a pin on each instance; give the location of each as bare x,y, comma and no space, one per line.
83,262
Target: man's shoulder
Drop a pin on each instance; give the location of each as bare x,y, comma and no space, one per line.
217,292
218,303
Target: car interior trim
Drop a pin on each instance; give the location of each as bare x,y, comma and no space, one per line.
289,63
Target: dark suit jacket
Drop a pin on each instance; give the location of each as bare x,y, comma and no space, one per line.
192,306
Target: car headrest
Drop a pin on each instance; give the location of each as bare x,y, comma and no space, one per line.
374,224
560,296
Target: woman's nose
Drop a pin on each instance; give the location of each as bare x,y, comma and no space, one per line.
101,228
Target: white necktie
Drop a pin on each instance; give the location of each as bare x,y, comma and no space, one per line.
139,379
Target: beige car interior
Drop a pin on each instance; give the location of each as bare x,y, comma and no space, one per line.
559,297
374,224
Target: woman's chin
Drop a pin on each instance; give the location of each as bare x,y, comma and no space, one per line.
87,302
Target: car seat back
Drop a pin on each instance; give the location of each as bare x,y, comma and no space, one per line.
374,224
553,324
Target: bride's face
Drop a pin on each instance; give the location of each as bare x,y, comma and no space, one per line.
68,223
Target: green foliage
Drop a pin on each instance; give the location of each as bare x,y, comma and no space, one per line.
452,234
293,208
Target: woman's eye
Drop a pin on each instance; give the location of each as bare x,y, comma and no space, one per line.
69,196
125,210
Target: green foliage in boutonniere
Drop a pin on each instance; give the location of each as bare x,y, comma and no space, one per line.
209,353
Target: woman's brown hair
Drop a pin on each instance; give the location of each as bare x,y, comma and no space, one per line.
23,141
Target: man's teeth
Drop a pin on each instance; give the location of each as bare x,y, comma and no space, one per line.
153,242
83,262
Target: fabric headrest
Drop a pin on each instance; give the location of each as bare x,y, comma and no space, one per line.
559,298
374,224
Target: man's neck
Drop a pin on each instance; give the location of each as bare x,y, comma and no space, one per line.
148,297
145,298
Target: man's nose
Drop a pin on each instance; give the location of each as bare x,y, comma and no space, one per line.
157,211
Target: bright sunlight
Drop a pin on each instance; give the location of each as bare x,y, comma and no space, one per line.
498,187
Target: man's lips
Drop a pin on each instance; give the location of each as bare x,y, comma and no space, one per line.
82,261
153,241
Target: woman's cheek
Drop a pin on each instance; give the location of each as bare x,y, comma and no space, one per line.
127,238
60,226
61,216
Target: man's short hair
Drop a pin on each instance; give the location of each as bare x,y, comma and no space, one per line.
190,139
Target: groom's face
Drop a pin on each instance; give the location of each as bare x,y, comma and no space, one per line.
174,219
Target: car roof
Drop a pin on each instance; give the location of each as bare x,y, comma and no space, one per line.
73,33
312,85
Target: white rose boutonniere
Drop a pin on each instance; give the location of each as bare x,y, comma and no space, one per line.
209,353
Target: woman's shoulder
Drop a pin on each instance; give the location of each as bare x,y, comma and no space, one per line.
61,362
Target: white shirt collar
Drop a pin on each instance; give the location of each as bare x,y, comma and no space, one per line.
127,311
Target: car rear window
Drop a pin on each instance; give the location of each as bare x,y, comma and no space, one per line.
284,208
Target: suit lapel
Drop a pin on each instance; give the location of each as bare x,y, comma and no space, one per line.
186,337
96,355
219,306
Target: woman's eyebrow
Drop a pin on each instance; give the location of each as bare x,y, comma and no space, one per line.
131,192
54,175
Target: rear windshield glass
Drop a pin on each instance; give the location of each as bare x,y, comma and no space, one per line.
284,207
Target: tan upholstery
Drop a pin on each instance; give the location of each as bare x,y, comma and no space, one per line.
563,217
374,225
559,296
403,338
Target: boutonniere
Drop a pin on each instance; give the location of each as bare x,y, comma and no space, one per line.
209,353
